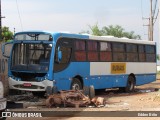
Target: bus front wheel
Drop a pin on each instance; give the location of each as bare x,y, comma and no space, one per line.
76,84
89,91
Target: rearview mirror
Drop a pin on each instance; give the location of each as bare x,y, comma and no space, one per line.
59,54
6,49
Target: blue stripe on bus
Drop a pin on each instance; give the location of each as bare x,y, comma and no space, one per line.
99,81
111,81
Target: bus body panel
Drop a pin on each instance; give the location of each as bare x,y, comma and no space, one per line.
64,78
99,75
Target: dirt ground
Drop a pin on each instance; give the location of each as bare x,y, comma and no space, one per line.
145,98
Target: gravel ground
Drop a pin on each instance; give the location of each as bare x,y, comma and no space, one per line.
145,98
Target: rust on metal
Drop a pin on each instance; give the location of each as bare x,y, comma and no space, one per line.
71,98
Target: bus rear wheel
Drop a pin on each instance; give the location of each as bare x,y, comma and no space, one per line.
130,85
76,84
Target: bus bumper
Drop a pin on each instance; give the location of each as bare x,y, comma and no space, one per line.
29,86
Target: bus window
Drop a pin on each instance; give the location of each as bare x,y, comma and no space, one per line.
132,54
118,52
141,52
119,57
150,57
131,48
92,51
80,45
141,49
105,51
150,49
80,51
105,46
66,55
118,47
150,53
132,57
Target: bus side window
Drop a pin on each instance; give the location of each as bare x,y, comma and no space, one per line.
105,51
66,56
80,50
141,52
132,52
118,52
150,53
92,51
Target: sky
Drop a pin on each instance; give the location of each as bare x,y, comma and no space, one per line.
76,15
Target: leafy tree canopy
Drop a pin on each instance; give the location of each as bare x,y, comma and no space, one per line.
116,31
6,34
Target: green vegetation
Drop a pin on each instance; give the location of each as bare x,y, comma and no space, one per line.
116,31
6,34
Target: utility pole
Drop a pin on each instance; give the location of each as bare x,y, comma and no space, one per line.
0,23
151,21
148,25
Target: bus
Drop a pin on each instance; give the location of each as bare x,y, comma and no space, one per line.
49,62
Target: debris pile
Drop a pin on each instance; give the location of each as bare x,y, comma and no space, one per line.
72,98
21,97
99,101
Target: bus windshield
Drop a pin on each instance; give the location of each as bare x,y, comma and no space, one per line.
32,36
30,57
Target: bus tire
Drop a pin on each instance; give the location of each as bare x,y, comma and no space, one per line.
86,90
48,90
76,84
54,90
91,92
130,84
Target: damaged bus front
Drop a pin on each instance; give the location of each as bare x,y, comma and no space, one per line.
29,61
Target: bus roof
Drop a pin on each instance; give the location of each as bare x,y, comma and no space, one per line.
126,40
92,37
107,38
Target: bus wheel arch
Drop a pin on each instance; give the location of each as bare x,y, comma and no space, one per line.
77,82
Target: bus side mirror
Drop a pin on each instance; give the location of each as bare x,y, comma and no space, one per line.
6,48
59,54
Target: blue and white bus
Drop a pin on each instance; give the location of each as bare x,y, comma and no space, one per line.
50,62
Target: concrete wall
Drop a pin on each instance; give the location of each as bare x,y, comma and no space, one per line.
4,71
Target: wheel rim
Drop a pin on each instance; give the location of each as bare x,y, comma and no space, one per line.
75,87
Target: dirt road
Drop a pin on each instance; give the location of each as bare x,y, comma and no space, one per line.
145,98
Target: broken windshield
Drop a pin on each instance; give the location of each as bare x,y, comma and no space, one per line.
31,57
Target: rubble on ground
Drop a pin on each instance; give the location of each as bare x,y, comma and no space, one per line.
73,98
21,97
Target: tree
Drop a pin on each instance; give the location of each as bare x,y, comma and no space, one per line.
95,30
116,31
6,34
131,35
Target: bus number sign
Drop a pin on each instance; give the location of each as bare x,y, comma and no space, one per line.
118,68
